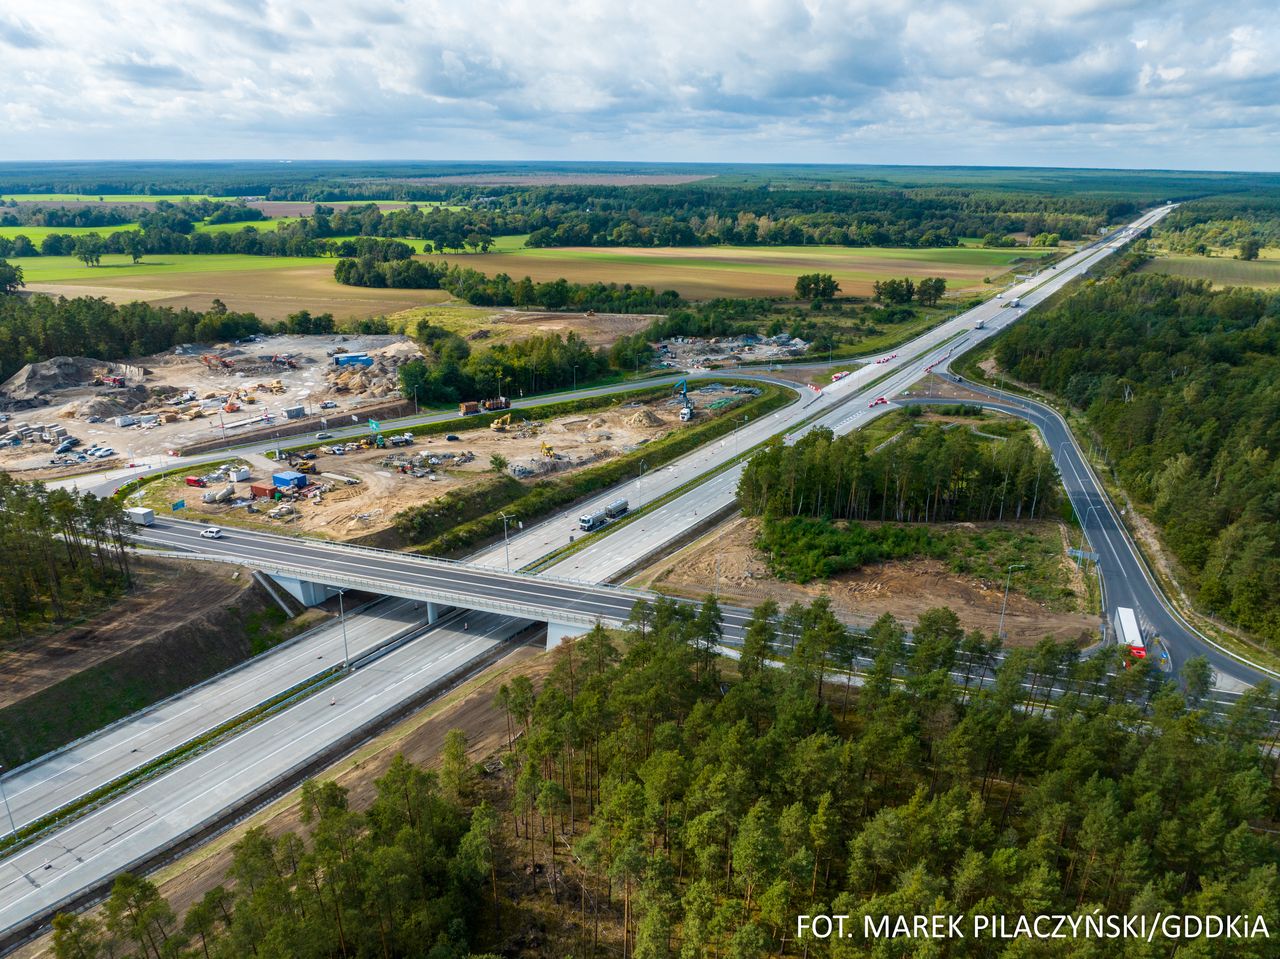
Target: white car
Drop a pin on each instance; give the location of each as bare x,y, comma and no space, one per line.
104,453
212,532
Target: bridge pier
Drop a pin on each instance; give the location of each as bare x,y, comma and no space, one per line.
433,612
557,633
304,591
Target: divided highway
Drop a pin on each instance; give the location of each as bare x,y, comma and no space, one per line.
56,871
58,778
131,830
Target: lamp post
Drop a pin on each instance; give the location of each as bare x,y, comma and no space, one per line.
1007,580
640,486
506,544
12,828
575,376
1083,524
342,618
737,422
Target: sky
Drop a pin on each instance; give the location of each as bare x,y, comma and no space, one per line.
1188,84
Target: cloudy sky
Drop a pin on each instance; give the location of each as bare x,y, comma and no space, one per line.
1138,83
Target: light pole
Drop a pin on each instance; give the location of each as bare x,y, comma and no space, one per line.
737,422
1007,580
1080,548
575,376
342,618
12,828
640,486
506,544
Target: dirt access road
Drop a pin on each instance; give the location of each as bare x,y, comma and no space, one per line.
903,589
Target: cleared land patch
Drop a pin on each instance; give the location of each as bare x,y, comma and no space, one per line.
1221,270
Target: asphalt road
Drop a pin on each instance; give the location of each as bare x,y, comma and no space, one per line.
58,778
161,812
1126,579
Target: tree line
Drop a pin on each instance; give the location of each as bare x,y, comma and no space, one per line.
1181,384
403,878
927,291
39,327
72,550
666,802
451,372
929,475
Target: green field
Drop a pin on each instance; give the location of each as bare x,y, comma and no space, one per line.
60,269
1221,270
700,272
37,233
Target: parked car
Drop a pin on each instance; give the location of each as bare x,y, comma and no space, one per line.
453,438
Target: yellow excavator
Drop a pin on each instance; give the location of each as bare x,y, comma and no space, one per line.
547,451
501,423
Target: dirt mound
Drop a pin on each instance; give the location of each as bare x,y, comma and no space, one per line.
104,406
644,417
35,380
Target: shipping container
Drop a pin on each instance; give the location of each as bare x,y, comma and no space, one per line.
289,479
294,412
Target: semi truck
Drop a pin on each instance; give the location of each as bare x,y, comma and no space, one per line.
592,521
1125,622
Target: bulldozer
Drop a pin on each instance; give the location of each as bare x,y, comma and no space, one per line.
501,423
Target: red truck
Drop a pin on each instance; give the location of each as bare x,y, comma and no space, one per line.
196,481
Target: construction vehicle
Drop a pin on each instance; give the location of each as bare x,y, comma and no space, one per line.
231,406
501,423
215,362
686,411
469,407
547,451
380,441
281,359
497,403
108,380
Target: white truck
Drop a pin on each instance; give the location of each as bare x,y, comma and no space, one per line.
1128,633
140,515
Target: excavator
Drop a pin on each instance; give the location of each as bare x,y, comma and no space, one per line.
547,451
686,411
501,423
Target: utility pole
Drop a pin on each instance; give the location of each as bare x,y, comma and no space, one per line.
640,485
1007,580
12,828
506,544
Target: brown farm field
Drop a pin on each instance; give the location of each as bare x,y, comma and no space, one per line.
270,293
706,272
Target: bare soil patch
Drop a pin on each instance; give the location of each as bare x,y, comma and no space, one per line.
903,589
168,593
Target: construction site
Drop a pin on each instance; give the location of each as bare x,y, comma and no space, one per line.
353,489
68,413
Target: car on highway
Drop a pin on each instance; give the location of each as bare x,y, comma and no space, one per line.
211,532
324,436
879,401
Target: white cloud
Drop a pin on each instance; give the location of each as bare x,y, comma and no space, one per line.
1103,82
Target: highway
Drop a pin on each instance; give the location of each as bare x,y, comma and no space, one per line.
61,777
127,830
843,406
1127,581
183,802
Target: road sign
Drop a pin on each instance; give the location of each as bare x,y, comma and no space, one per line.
180,504
373,425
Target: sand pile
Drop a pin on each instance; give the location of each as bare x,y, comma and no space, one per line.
644,417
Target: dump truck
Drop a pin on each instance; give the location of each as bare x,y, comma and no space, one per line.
468,407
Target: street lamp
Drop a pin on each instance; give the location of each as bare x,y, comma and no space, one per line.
575,376
12,828
1083,524
742,422
506,545
342,618
639,485
1007,580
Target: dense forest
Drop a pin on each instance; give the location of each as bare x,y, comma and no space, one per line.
1182,385
929,475
39,327
657,801
72,555
1222,222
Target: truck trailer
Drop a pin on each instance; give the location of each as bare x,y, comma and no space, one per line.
1128,633
140,515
